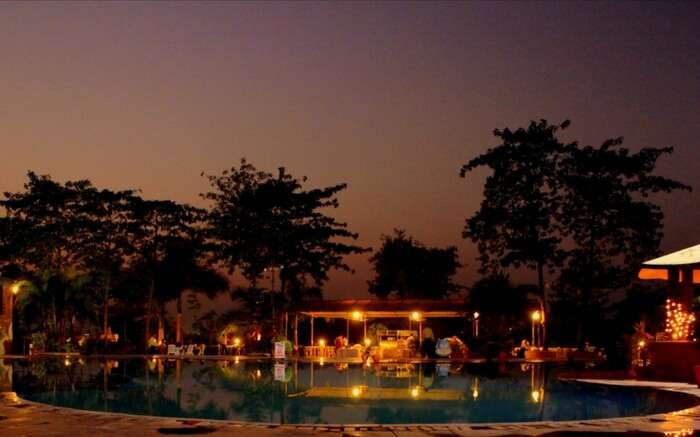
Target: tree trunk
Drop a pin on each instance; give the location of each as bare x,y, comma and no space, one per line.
161,329
149,311
543,301
105,323
178,320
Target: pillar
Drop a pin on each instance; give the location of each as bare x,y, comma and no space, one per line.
296,330
312,331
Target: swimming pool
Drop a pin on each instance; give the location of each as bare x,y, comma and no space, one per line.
312,393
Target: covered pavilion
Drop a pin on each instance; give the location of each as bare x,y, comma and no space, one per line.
413,311
674,352
681,269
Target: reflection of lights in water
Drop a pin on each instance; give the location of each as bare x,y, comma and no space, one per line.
236,360
680,433
475,394
415,391
537,395
475,389
258,373
321,362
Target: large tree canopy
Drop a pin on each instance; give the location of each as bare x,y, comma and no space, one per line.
262,221
405,268
608,215
586,210
516,224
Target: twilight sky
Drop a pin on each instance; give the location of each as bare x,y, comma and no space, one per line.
389,97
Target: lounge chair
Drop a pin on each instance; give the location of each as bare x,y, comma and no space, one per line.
189,351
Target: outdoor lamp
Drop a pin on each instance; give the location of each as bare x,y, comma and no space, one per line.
536,316
415,391
476,315
368,342
236,341
416,315
322,343
15,288
356,315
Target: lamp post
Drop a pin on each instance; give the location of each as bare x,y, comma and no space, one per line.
536,316
417,316
475,326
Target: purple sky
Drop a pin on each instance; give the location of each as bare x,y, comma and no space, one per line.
389,97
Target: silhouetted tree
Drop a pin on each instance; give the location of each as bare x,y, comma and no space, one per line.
104,239
160,227
407,269
261,221
60,229
516,223
609,217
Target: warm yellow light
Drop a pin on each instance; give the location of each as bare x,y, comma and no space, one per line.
236,360
416,315
535,395
475,394
368,342
356,392
415,391
476,315
322,343
237,341
15,288
258,373
356,315
66,362
259,337
321,362
642,343
536,316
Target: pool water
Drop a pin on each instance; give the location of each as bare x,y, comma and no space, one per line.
305,393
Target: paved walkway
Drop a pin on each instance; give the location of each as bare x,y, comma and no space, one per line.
23,418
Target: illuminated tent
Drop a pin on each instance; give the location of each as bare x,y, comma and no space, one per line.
681,269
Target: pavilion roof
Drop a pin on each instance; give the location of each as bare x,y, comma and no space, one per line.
383,307
686,257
